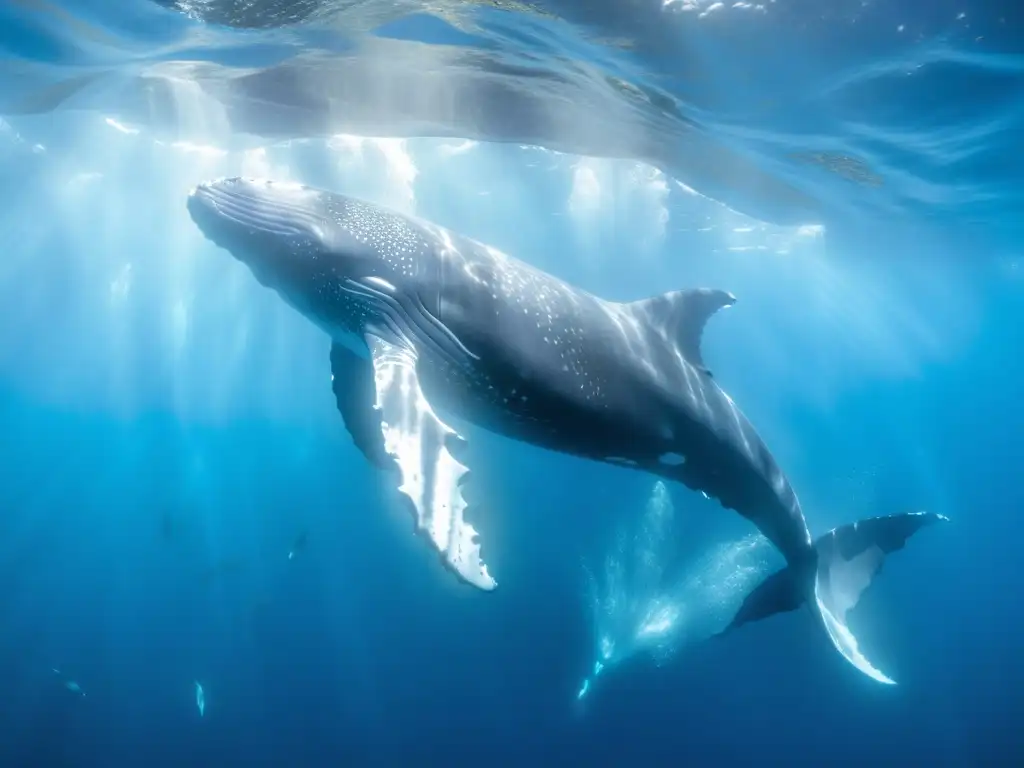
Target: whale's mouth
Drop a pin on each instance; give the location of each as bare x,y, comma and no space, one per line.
232,211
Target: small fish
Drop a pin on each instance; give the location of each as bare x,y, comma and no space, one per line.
598,667
583,690
71,685
298,545
200,698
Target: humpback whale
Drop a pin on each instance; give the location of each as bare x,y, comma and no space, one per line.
428,326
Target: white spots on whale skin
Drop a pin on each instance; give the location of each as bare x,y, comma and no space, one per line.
526,303
672,459
393,239
531,308
358,236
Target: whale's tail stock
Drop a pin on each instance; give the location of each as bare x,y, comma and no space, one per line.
847,560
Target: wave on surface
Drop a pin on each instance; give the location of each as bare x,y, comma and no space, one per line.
788,111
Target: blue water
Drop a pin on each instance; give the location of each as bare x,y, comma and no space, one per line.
850,171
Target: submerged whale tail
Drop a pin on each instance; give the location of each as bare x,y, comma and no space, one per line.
847,559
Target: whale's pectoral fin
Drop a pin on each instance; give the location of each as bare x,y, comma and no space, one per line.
354,392
418,443
680,316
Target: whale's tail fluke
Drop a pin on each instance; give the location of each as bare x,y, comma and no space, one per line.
847,560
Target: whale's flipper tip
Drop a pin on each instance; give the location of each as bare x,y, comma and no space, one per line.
394,425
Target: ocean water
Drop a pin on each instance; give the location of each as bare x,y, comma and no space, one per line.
182,510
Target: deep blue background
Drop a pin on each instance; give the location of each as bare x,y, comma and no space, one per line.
154,472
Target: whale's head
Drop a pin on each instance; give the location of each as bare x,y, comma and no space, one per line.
300,241
279,230
340,261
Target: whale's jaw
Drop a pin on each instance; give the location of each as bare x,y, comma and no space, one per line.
295,241
229,208
276,229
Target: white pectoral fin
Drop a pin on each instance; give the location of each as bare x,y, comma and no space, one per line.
430,477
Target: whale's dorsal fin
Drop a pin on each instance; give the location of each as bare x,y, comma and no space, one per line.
681,316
